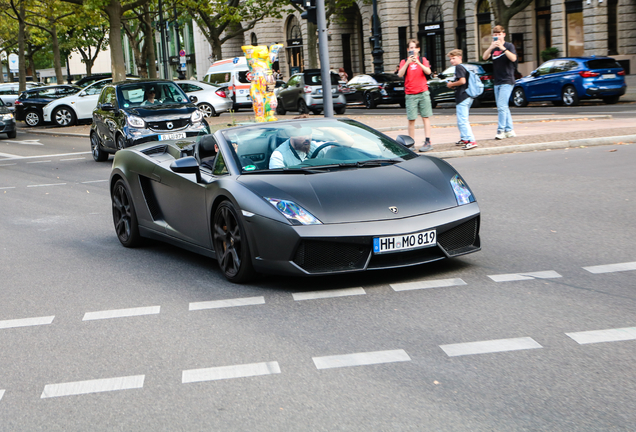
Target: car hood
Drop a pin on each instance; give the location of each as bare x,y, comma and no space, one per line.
421,185
163,112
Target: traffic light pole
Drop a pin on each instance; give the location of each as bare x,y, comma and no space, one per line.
327,100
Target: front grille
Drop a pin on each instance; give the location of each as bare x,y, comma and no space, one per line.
162,125
401,259
325,256
461,239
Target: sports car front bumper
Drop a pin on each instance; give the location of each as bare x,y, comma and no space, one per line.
348,247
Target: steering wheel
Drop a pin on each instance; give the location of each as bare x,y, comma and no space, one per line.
322,146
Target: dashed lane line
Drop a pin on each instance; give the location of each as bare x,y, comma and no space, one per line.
45,185
361,359
94,181
12,156
611,268
72,159
93,386
8,187
491,346
610,335
121,313
1,394
26,322
38,162
441,283
313,295
217,304
549,274
229,372
6,164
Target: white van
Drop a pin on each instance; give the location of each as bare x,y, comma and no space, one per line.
233,74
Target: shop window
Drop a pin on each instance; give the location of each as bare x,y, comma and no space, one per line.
484,23
460,30
574,12
612,27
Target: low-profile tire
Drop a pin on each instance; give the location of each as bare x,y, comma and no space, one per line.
121,142
611,100
124,216
230,244
302,107
64,116
369,101
519,98
569,96
99,155
341,110
207,110
12,134
557,103
33,119
280,109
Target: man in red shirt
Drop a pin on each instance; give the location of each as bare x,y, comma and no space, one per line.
417,97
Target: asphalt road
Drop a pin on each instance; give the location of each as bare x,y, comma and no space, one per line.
95,337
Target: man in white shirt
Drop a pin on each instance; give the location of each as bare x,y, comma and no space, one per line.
295,150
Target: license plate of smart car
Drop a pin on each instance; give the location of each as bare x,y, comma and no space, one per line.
398,88
172,136
608,76
404,242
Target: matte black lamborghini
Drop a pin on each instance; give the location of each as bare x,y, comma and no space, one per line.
300,197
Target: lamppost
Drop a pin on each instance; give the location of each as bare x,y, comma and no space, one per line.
378,62
164,52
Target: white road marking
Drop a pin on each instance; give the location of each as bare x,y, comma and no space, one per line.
94,181
1,394
611,268
26,322
216,304
25,142
549,274
440,283
93,386
121,313
611,335
10,156
6,164
43,185
492,346
72,159
228,372
313,295
8,187
361,359
36,162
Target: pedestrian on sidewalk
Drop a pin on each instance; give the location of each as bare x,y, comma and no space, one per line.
462,100
504,57
417,96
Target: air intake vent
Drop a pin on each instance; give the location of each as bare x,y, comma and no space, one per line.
155,150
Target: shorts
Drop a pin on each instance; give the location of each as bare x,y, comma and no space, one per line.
418,104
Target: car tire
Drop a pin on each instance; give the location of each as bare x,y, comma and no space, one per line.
12,135
99,155
316,111
64,116
611,100
476,103
33,118
302,107
369,102
403,105
207,110
557,103
433,103
519,98
341,110
569,96
230,244
124,216
280,109
121,142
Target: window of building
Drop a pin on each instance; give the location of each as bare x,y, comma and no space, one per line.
460,30
517,41
612,27
484,23
294,47
575,42
431,33
544,26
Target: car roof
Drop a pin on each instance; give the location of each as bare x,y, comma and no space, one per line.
142,80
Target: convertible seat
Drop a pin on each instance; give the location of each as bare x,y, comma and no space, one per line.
204,151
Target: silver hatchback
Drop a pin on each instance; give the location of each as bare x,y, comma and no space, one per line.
303,93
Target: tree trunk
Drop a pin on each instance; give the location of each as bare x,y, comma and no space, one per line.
117,64
311,45
56,54
21,47
149,43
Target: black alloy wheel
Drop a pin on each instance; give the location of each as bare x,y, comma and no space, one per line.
302,107
121,142
230,244
519,98
124,216
99,155
33,118
64,116
569,96
369,102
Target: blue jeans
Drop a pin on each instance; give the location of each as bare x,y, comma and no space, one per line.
502,96
465,131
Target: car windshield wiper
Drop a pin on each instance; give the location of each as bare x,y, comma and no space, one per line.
307,170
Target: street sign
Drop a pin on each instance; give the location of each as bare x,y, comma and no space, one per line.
182,53
14,65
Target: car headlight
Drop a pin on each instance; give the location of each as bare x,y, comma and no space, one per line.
6,117
196,116
294,212
135,121
462,191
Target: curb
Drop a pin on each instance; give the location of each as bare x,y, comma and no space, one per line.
555,145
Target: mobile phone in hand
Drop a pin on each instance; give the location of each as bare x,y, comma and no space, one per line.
495,38
411,53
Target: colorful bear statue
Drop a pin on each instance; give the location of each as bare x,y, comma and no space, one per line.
260,61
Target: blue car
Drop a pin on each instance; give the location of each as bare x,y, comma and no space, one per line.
566,81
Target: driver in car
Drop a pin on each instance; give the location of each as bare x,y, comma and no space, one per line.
149,98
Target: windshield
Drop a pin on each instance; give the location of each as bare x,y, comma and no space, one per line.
151,94
310,145
314,78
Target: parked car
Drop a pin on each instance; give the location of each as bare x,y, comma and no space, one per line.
10,92
90,79
568,80
232,73
372,90
303,93
219,198
68,110
133,112
7,122
28,107
440,93
210,99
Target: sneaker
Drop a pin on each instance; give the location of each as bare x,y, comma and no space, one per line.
426,147
461,142
469,145
500,135
510,134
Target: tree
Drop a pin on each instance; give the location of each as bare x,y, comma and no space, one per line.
141,38
87,34
504,13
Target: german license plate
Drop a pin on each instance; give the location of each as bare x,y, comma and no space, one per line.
404,242
608,76
398,88
172,136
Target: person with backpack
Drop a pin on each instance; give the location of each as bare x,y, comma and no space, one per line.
416,96
504,58
462,100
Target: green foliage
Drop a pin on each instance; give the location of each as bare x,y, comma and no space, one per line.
549,53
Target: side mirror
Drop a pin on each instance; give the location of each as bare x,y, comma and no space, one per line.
187,165
193,99
441,76
108,106
82,93
405,140
534,73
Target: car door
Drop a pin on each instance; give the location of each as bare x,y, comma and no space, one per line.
86,100
438,88
289,94
538,87
109,121
553,82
